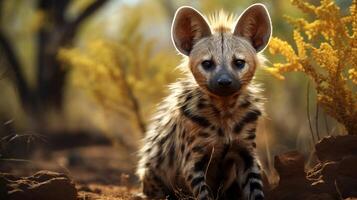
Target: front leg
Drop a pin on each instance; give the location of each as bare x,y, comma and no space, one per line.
196,163
247,183
251,183
250,177
153,187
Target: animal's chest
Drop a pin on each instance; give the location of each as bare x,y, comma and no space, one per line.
215,172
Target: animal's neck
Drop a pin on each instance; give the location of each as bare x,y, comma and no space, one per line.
219,108
222,108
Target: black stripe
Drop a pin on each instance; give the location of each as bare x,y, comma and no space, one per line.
182,148
156,178
220,132
160,159
238,127
189,96
155,137
251,116
166,137
198,149
224,163
259,197
215,110
189,178
233,191
222,42
225,150
245,104
251,137
183,134
163,140
250,176
201,164
195,118
171,155
203,134
197,181
173,129
247,158
255,186
201,105
252,131
147,150
188,155
191,139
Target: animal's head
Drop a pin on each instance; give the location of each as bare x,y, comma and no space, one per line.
222,59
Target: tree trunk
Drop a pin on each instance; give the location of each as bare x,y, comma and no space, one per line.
56,33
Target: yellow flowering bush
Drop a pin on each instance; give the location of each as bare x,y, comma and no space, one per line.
326,51
125,76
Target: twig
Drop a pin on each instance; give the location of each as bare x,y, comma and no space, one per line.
72,27
206,171
219,191
135,105
87,12
308,111
209,162
338,190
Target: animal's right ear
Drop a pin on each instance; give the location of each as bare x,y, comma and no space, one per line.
255,25
188,27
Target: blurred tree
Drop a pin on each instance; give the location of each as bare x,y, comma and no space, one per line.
125,75
54,31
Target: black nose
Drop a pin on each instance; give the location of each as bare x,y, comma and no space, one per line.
224,80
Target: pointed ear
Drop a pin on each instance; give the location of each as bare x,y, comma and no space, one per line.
188,27
254,24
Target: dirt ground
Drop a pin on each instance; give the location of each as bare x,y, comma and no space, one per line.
107,172
98,171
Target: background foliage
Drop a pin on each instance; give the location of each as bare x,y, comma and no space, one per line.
328,56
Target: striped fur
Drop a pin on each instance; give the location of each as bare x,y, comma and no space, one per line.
201,145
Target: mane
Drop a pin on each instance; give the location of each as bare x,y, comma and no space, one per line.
222,21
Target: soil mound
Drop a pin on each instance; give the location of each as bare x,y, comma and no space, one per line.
43,185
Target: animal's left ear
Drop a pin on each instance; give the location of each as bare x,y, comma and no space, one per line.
188,27
254,24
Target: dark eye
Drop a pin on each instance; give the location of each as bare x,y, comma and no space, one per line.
207,64
239,63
